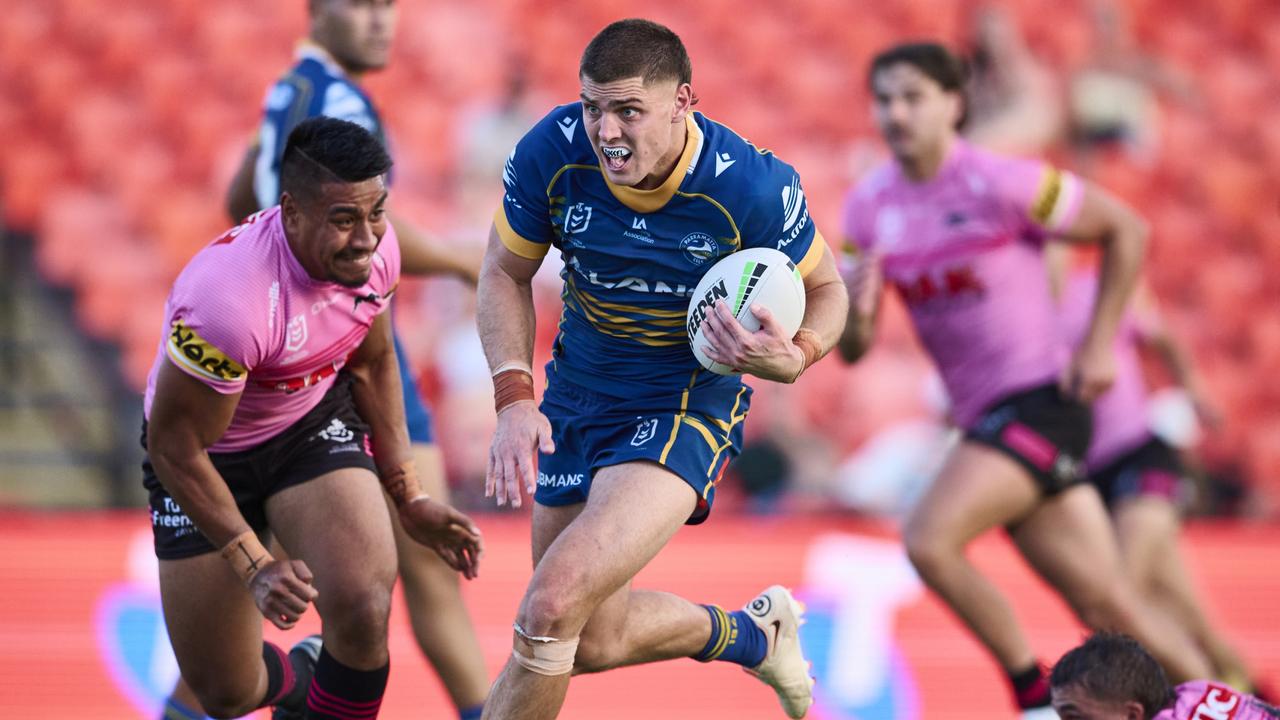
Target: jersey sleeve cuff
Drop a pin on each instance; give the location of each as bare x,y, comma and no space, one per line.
218,385
514,241
813,255
1057,201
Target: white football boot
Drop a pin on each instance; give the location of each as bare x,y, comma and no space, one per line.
784,668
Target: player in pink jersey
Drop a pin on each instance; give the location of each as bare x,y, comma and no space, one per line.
959,232
1142,480
1111,677
346,41
275,403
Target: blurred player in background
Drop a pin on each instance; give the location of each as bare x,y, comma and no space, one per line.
347,39
275,404
1141,478
1111,677
959,232
641,196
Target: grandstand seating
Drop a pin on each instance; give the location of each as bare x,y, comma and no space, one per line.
126,119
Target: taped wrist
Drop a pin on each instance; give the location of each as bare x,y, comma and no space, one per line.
246,555
810,345
401,482
544,655
512,383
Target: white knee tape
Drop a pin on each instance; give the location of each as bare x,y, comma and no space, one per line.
546,655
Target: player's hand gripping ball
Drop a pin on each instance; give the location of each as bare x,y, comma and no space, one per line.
756,277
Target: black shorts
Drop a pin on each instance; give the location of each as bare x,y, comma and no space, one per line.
1043,432
1153,469
332,436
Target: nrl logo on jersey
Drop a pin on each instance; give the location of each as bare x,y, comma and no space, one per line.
576,220
296,333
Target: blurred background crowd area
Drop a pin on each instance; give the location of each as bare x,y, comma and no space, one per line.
125,121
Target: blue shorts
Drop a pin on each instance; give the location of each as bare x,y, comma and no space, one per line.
416,413
693,434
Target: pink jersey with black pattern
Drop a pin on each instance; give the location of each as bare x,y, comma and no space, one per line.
1204,700
964,251
1120,414
244,316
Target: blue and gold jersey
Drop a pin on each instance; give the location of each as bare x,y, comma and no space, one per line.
633,257
315,86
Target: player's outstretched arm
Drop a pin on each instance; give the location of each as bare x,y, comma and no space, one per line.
379,400
188,416
421,255
505,316
864,280
1122,234
768,353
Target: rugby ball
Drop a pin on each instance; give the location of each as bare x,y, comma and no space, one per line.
741,279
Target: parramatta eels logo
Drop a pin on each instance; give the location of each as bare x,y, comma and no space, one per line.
699,248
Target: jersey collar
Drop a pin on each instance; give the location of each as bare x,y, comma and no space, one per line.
647,201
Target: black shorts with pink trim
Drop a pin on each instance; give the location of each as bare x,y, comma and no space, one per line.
1044,432
1153,469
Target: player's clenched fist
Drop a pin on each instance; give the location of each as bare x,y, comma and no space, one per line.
522,432
451,534
282,591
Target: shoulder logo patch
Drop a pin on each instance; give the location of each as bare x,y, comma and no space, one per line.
723,161
567,125
509,170
795,214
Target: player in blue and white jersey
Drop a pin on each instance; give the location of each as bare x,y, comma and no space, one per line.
641,196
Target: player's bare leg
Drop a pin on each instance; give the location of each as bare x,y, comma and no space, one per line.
441,623
216,632
339,526
606,641
182,704
978,489
1148,528
592,558
1069,540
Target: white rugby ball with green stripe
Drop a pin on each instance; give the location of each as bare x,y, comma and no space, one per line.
754,276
